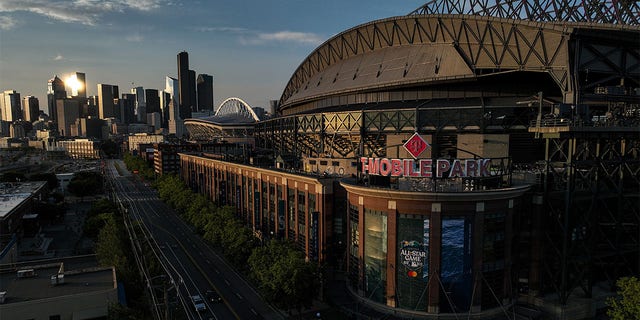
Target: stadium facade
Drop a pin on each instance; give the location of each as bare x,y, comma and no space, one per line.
455,160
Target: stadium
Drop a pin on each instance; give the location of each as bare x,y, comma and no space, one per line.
462,159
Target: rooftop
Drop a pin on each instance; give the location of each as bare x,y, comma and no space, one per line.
39,285
13,194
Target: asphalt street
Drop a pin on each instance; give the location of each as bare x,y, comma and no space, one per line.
192,265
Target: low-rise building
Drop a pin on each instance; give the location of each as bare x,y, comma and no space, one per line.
16,200
141,138
50,292
81,148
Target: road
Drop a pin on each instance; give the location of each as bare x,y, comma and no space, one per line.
190,263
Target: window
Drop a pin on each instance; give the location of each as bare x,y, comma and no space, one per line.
375,254
302,231
456,263
291,206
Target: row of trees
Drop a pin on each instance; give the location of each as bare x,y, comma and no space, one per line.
279,269
139,165
105,226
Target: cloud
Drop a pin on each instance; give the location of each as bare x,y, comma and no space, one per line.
303,38
7,23
58,57
79,11
290,36
220,29
134,38
252,37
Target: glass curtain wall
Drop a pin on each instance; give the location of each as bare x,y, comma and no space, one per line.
456,265
375,255
493,254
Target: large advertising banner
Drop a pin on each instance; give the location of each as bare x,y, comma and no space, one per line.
412,273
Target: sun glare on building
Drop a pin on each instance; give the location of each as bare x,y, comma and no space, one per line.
73,84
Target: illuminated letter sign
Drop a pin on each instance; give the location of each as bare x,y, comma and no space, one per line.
425,167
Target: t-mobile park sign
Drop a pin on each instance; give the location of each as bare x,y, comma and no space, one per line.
427,168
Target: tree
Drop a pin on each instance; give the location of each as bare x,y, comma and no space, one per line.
110,148
85,183
627,304
284,277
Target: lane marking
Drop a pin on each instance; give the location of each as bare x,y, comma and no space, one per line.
202,272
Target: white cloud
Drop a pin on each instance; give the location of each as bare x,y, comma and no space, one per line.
283,36
78,11
221,29
134,38
252,37
7,23
58,57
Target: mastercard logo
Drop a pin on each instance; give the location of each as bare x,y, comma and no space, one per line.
412,274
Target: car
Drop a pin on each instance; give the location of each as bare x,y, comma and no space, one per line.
198,303
213,296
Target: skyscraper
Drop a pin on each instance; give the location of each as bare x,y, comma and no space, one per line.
30,108
128,107
185,104
140,104
68,113
79,86
205,92
106,106
193,97
165,99
153,100
10,109
55,90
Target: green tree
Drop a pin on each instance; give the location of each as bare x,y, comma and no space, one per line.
95,223
109,248
110,148
627,304
140,165
284,277
85,183
102,206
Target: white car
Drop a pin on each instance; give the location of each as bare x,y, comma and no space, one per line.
198,303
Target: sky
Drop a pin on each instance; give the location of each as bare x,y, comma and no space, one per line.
251,47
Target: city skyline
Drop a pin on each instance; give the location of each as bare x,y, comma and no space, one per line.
250,47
